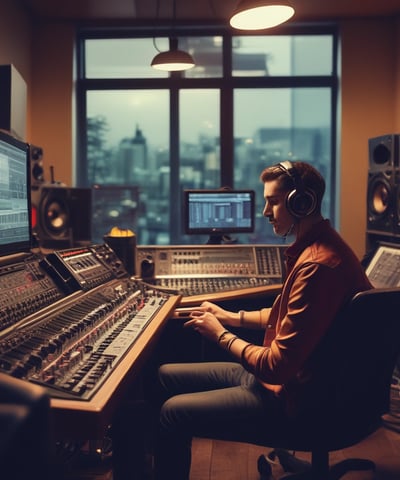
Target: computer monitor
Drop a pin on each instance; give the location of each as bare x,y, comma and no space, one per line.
384,269
218,212
15,196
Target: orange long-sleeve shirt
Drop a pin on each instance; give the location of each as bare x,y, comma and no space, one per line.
323,273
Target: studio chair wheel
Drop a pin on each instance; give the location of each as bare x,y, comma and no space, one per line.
264,468
302,470
287,460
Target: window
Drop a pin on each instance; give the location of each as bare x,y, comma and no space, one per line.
273,125
250,101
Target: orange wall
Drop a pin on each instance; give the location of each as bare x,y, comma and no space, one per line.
52,98
370,89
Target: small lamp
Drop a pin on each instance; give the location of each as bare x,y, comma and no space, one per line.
173,60
260,14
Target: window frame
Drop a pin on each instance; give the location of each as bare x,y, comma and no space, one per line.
225,84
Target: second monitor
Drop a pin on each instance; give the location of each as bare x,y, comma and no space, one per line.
218,212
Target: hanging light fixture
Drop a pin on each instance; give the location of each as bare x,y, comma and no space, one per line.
173,60
260,14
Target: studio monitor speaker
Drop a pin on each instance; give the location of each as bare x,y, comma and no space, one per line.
36,164
383,176
381,197
63,216
384,153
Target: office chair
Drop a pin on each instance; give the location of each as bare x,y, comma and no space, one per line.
359,355
24,430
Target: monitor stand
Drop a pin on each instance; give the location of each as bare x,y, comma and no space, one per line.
220,239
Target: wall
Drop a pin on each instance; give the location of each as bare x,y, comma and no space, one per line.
370,89
52,98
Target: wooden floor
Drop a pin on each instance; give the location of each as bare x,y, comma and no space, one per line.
222,460
217,460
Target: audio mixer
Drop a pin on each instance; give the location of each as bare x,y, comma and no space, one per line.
69,318
76,323
205,269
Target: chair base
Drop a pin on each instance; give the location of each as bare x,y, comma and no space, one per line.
297,469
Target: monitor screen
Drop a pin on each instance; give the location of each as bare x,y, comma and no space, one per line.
218,212
384,268
15,196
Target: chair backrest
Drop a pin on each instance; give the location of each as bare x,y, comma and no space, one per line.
360,354
349,390
373,319
25,430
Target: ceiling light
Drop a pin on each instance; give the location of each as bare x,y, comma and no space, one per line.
260,14
173,60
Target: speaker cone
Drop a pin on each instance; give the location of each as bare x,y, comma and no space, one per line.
380,204
56,217
380,199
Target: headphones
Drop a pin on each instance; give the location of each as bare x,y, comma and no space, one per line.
300,201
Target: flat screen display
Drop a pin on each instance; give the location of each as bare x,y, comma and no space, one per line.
218,212
15,196
384,268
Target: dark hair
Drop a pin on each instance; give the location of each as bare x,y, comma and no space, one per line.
309,177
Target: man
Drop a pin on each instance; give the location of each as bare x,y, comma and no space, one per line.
264,385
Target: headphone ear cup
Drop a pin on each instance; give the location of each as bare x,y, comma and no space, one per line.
301,204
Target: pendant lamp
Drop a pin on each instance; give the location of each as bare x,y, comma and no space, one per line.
260,14
173,60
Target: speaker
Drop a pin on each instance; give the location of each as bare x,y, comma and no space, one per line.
383,178
381,198
383,191
36,165
384,153
63,216
397,203
300,201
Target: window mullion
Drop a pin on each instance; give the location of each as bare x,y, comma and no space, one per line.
175,200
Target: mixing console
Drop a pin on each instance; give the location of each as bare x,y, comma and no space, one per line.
24,289
203,269
72,350
68,319
75,322
188,286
